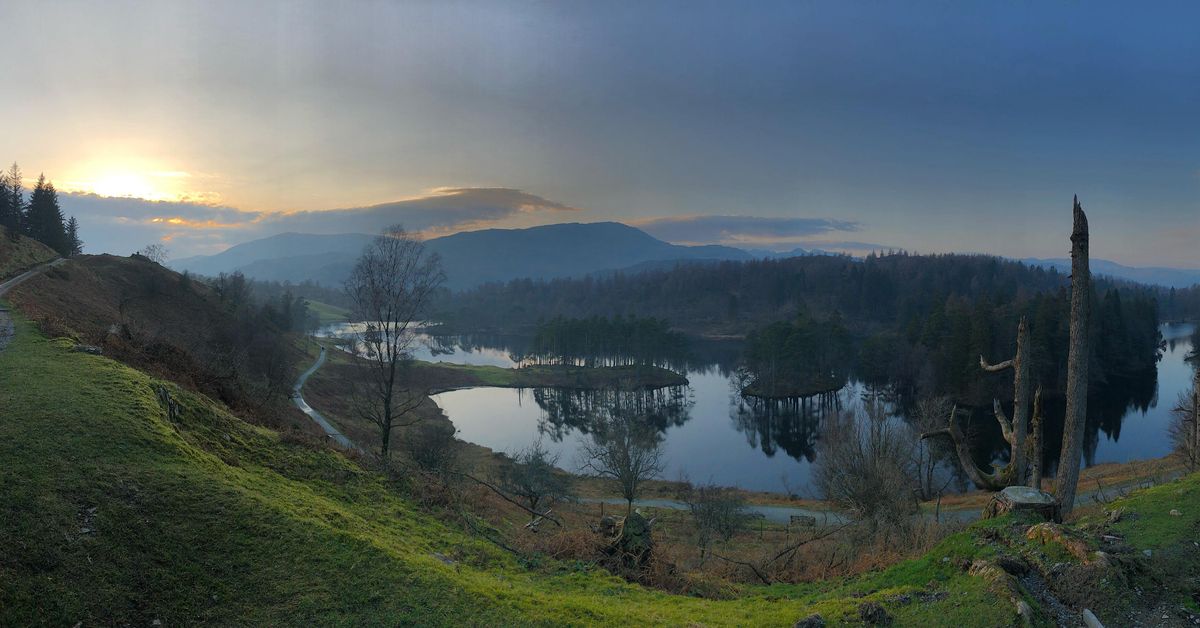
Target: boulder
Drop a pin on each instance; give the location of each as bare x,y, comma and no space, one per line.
872,614
1023,500
812,621
91,349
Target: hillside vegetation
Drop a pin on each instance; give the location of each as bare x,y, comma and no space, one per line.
114,513
22,254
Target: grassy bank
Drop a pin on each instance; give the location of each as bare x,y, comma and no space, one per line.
22,254
327,313
112,513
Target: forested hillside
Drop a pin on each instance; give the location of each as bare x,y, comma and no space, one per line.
918,322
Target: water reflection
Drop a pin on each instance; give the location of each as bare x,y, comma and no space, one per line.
713,434
791,424
564,410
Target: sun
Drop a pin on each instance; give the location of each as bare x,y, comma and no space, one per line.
127,185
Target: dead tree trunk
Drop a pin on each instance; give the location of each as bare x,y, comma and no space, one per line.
1015,472
1015,431
1077,363
1035,442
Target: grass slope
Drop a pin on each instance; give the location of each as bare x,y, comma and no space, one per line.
111,513
21,255
327,313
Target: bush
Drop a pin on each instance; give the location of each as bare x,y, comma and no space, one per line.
864,465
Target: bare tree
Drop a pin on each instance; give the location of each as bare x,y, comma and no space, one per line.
534,478
718,512
390,288
929,455
1185,426
864,465
156,253
1014,431
626,449
1077,363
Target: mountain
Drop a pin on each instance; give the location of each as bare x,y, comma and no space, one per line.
294,256
1154,275
469,258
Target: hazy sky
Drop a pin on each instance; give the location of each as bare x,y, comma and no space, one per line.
930,126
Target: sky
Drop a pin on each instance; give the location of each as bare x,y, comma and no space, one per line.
846,125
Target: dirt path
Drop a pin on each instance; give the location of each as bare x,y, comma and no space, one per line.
7,330
317,417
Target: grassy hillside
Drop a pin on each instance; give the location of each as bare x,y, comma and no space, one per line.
22,254
327,313
112,513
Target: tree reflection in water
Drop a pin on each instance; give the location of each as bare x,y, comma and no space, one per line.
791,423
564,409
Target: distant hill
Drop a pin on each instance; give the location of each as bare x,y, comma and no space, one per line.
470,258
1154,275
294,256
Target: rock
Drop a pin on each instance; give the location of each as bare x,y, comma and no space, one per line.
873,614
1115,515
1090,620
1012,565
1176,513
1023,499
812,621
90,349
1147,553
1025,611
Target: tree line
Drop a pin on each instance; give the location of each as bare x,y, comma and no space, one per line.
39,216
603,341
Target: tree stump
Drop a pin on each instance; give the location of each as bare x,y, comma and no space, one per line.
1023,500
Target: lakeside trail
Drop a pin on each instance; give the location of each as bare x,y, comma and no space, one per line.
317,417
7,330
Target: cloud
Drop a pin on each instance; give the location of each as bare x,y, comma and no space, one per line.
123,225
742,230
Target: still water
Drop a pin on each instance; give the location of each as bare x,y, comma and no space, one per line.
713,435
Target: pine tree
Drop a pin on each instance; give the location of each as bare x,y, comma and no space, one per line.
74,243
10,222
12,202
44,219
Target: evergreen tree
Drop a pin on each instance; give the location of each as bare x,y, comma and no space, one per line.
74,243
44,218
12,202
9,221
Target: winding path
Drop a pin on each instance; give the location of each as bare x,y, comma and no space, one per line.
7,330
298,398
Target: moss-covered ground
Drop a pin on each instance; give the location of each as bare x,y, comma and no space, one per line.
111,513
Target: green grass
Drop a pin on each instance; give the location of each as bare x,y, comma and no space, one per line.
1148,522
327,313
212,520
25,253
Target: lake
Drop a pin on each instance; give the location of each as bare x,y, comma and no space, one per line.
714,435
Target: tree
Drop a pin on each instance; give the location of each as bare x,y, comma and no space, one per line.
626,448
75,245
1185,426
12,201
44,218
1078,357
718,513
156,253
864,465
1014,431
533,477
10,220
390,287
